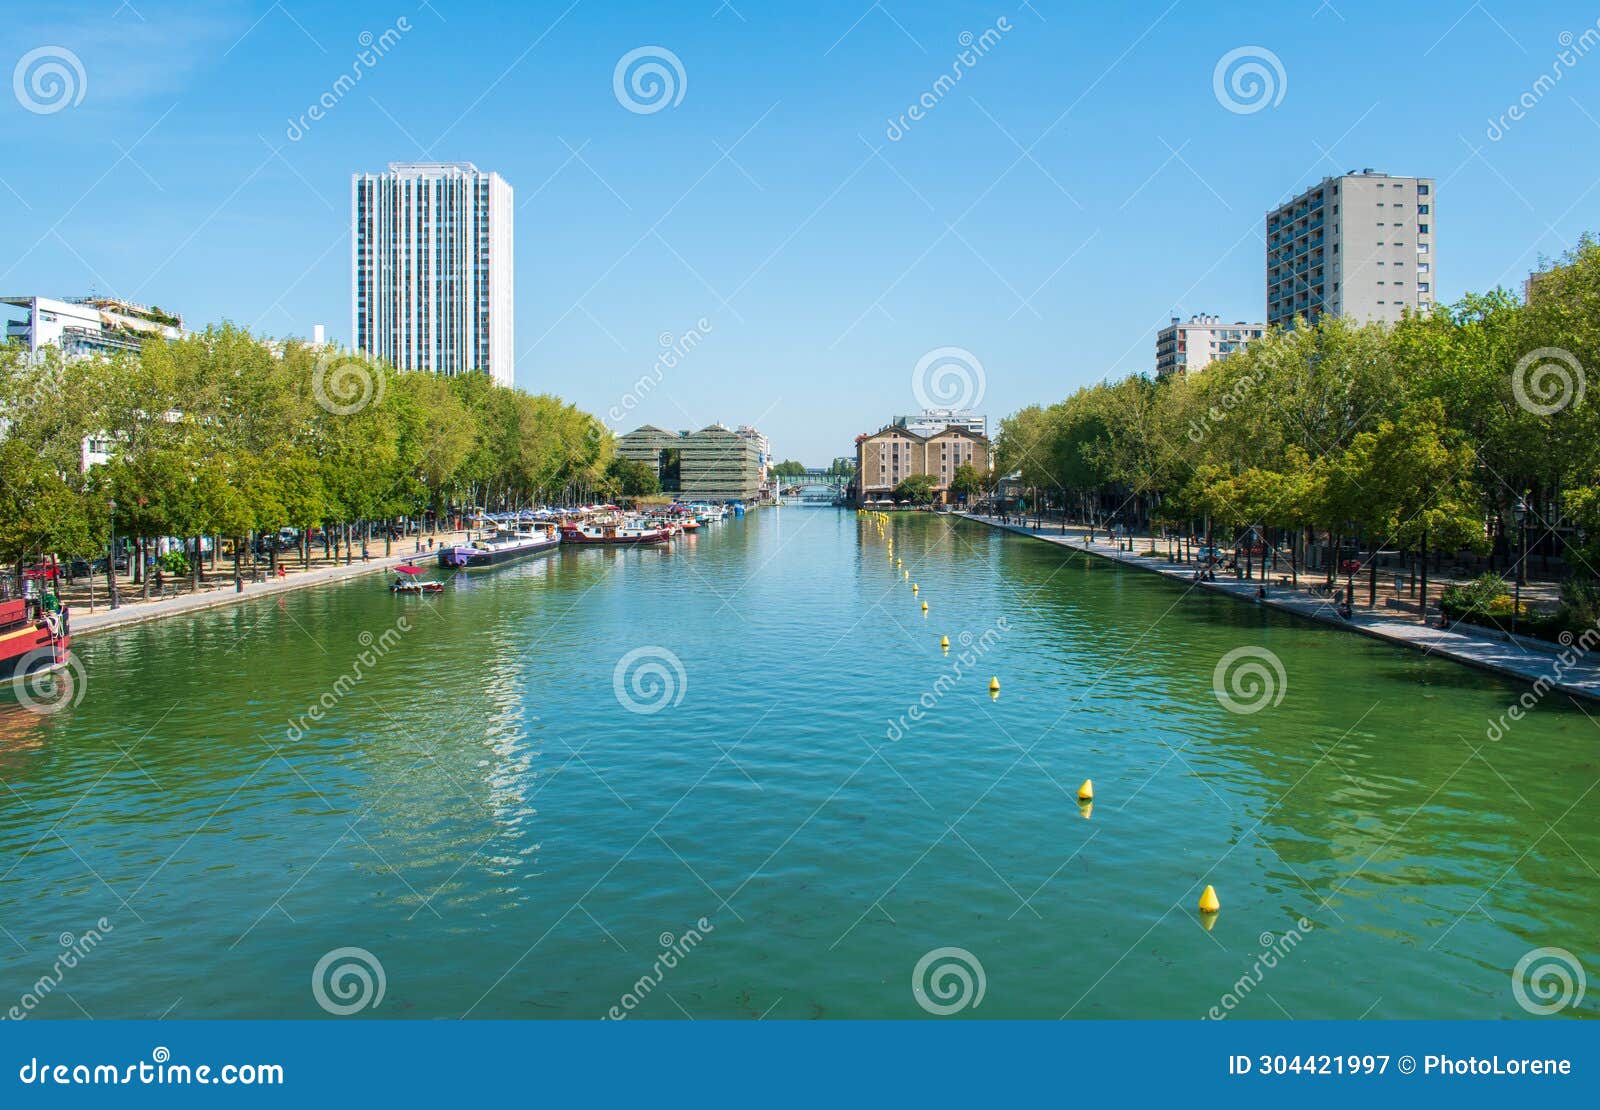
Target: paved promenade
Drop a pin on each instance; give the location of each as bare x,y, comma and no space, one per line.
1529,660
135,612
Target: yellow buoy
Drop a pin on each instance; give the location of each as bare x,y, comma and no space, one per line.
924,606
1208,900
907,575
913,589
994,685
944,642
1086,791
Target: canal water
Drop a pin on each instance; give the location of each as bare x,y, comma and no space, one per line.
738,778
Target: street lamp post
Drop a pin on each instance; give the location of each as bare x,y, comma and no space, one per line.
111,556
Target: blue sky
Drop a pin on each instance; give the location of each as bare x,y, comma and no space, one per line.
1082,182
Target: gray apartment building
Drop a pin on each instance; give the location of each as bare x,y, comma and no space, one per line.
1358,245
1185,347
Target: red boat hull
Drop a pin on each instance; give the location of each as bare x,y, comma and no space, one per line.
27,646
573,535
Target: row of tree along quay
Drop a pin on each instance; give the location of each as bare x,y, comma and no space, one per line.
1462,444
227,440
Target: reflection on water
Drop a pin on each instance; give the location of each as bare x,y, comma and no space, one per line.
476,810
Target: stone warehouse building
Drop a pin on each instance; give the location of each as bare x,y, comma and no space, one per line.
888,457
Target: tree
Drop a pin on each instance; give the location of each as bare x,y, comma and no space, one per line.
917,489
633,479
966,482
789,468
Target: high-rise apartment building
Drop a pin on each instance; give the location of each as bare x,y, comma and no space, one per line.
1183,347
1358,245
431,268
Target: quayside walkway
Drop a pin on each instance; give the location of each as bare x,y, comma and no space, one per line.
1518,657
134,611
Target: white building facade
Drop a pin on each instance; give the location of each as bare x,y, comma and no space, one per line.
431,268
930,422
1360,245
1183,347
84,326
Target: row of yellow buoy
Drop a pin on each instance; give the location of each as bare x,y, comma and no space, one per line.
1210,905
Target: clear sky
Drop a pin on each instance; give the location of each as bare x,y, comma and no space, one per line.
1082,181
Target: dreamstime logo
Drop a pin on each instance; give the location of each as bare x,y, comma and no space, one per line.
1574,48
74,949
649,679
649,79
1547,980
49,79
373,651
1574,649
948,980
674,349
1231,399
948,378
1274,950
373,48
1248,679
963,663
973,48
346,980
344,384
1248,79
1547,380
674,950
45,685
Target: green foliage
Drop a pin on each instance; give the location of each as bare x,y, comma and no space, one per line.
1486,595
917,489
789,468
224,434
1426,435
633,479
966,481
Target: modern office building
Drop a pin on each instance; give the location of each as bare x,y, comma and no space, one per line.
1359,245
763,446
431,268
887,457
81,326
1185,347
719,464
658,449
713,464
930,422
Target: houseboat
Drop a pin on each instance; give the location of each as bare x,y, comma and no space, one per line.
614,531
32,639
500,543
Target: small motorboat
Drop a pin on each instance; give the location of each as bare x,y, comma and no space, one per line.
402,586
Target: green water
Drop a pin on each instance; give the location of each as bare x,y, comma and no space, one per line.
478,810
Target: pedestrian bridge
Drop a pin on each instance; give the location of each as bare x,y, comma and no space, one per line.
813,476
